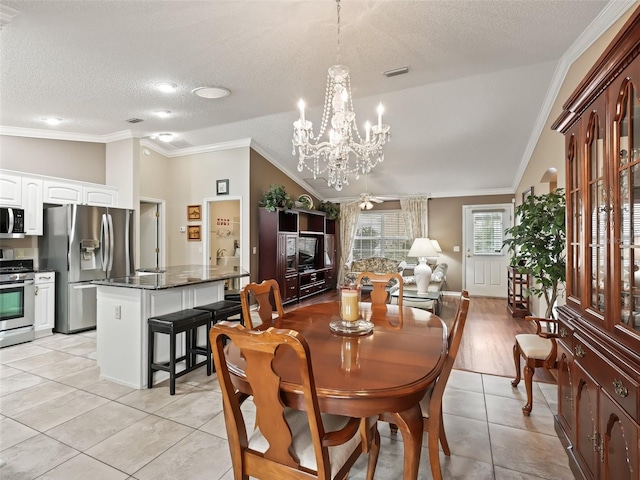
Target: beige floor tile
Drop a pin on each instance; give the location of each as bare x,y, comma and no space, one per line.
199,456
508,411
90,428
31,397
82,349
12,433
65,367
88,333
35,363
464,403
82,378
198,378
216,425
108,389
20,352
6,372
153,399
193,409
59,410
550,393
20,381
58,341
501,386
529,452
33,457
78,468
464,380
504,474
151,436
467,438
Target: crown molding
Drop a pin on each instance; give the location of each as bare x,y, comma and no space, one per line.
69,136
607,17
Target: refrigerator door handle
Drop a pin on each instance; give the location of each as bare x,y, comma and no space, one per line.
104,233
111,243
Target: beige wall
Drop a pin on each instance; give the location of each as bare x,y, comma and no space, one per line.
549,151
81,161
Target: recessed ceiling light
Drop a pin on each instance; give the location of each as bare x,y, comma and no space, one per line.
211,92
166,87
165,137
52,120
163,113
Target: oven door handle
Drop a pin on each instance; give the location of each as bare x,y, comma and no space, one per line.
16,284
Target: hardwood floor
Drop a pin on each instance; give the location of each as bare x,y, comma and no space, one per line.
487,342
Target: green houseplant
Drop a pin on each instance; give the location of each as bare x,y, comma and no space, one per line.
537,244
276,197
331,209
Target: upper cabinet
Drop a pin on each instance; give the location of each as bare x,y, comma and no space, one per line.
56,191
32,205
10,190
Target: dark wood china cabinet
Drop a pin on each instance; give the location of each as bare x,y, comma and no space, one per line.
599,347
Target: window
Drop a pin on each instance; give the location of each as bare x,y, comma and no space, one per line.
487,233
381,234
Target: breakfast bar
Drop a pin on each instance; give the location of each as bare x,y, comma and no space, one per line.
124,305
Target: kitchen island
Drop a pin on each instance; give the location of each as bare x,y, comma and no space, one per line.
124,305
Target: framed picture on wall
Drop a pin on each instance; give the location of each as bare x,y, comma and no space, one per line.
222,187
526,194
193,233
193,212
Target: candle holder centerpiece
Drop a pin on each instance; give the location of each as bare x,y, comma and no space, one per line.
351,321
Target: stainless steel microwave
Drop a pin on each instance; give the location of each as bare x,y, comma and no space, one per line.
11,222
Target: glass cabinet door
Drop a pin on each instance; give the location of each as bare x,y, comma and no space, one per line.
575,230
627,143
598,211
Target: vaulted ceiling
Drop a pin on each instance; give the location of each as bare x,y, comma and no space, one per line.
463,119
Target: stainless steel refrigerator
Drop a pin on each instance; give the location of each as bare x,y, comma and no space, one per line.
84,243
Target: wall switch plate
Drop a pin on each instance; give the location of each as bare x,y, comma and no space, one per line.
456,248
183,229
118,312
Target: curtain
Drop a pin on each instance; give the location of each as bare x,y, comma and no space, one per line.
349,213
415,211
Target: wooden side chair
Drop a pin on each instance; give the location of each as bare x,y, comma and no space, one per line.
267,297
431,403
538,350
380,282
286,443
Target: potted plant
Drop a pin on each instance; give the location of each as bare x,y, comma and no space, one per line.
276,198
537,245
331,209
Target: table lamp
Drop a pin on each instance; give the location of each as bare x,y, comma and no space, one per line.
422,248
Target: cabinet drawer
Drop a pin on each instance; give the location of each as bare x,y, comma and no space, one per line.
290,289
566,335
620,386
311,288
45,277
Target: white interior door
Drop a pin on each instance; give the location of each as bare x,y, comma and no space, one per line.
485,260
151,234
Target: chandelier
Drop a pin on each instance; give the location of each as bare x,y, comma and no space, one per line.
342,152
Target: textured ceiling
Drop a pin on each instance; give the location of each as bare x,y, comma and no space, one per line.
461,119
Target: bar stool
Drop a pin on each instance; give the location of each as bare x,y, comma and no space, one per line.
172,324
222,310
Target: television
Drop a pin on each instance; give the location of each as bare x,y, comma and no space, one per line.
307,252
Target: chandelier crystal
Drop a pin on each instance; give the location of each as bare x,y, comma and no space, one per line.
342,152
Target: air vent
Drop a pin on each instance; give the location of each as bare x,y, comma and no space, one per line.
181,144
396,71
134,120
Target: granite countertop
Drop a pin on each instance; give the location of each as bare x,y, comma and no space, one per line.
171,277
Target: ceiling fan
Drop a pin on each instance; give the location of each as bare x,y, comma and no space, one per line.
366,199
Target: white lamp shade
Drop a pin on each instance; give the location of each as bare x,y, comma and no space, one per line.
422,247
436,245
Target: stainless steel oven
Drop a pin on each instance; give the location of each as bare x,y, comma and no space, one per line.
17,304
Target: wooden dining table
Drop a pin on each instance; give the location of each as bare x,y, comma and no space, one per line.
386,371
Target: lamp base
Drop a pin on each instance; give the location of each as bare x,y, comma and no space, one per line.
422,272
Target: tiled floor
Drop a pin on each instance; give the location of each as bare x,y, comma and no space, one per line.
58,420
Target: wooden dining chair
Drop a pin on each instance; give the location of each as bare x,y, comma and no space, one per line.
286,443
431,403
539,351
380,282
266,296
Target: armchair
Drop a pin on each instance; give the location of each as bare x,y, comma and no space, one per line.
538,350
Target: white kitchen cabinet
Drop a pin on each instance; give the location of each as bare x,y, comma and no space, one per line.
67,192
10,190
61,192
100,195
45,307
32,205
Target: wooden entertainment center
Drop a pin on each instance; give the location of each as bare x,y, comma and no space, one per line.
298,249
598,416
